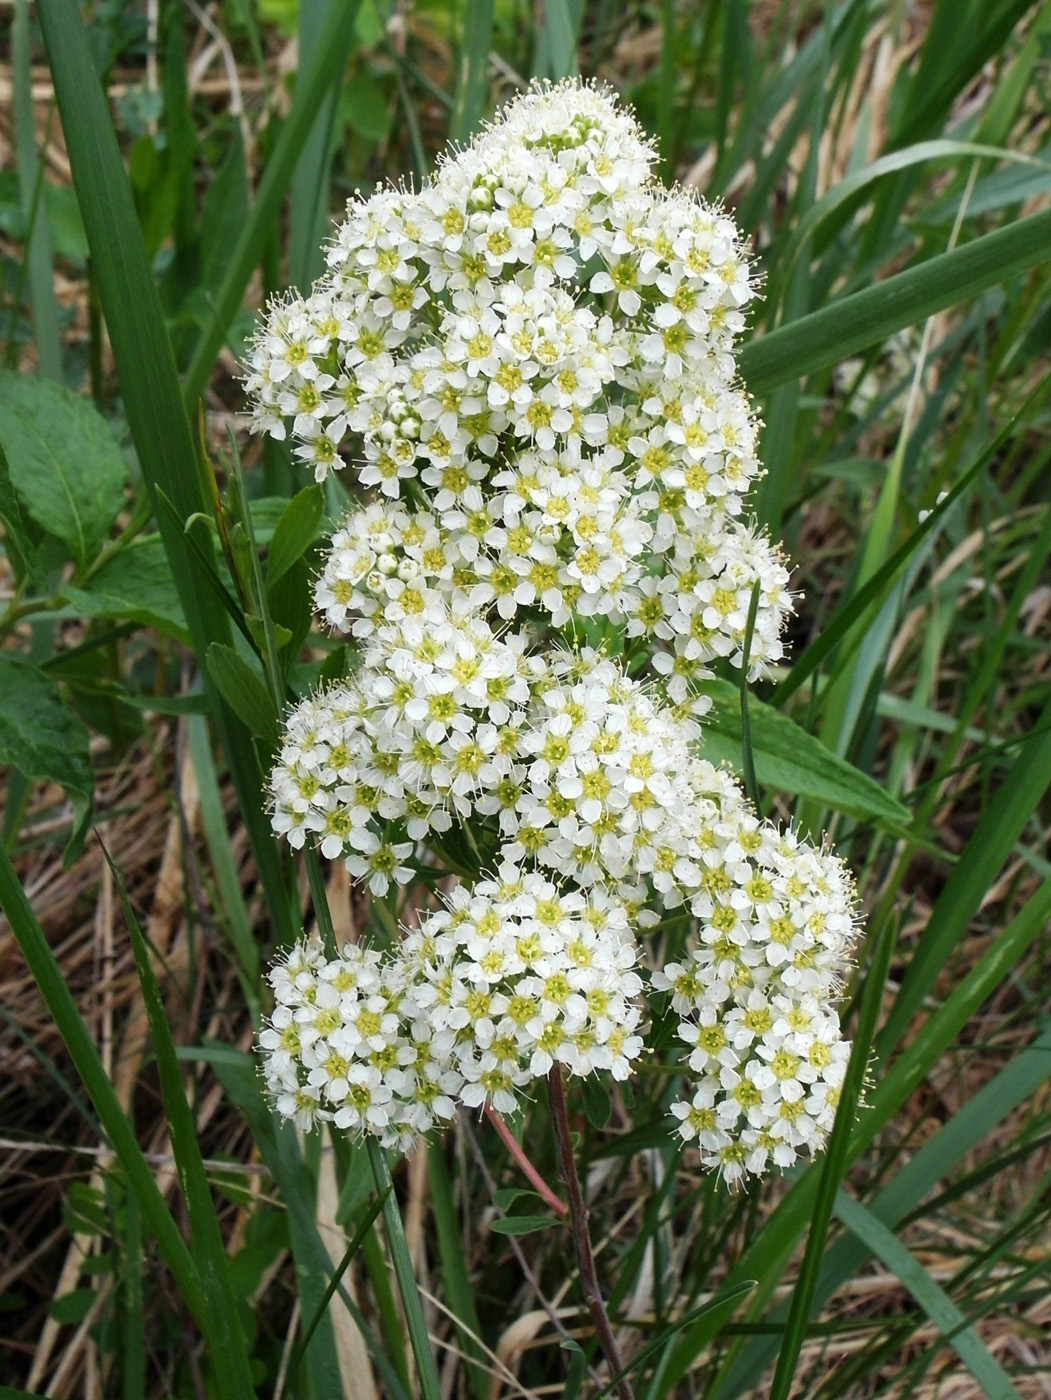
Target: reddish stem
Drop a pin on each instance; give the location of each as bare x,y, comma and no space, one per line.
514,1147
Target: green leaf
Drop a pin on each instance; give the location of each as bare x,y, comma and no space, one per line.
522,1224
472,83
295,532
64,462
992,1379
791,760
136,585
150,390
72,1308
42,737
228,1351
121,1137
597,1107
313,80
21,552
243,690
868,317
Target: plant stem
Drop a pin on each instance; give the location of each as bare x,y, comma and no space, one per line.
410,1294
528,1170
578,1225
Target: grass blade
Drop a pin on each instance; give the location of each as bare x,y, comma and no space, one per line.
459,1294
935,1302
152,402
63,1010
311,85
430,1386
333,1285
771,1250
966,1130
34,203
472,87
868,317
225,1335
834,1166
308,224
866,596
988,848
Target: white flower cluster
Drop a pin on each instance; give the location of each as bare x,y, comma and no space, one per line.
533,355
534,352
775,927
513,977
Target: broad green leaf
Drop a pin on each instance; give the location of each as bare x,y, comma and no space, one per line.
21,552
992,1379
522,1224
243,690
136,585
42,737
791,760
295,532
64,461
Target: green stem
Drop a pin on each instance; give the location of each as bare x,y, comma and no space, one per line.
410,1294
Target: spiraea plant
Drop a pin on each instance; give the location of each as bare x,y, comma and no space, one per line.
527,366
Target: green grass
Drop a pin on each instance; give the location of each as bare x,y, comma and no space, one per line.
895,176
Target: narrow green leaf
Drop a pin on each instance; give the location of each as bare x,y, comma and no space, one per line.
333,1284
522,1224
64,462
42,737
150,390
904,299
311,84
33,190
136,585
714,1310
430,1386
990,845
844,620
835,1162
280,1148
243,690
472,84
751,787
922,153
459,1294
63,1010
992,1379
559,40
791,760
229,1355
309,220
769,1253
295,532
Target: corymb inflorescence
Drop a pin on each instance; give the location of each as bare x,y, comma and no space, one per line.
527,367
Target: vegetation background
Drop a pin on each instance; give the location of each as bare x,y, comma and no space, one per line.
169,165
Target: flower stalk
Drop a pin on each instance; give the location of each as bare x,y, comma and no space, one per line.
578,1228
